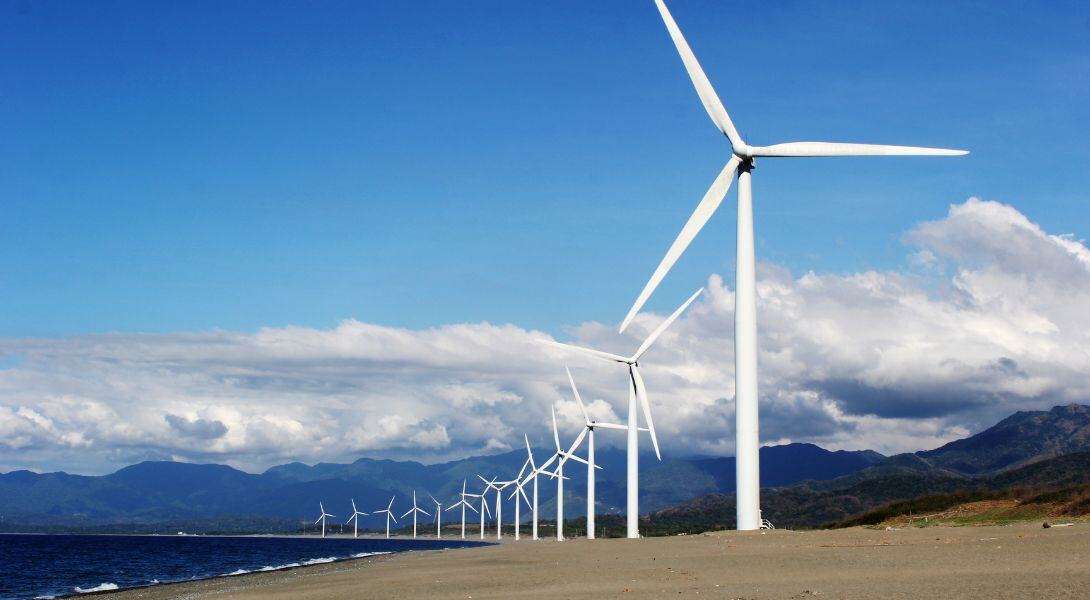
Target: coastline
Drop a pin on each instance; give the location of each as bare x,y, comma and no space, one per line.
1012,561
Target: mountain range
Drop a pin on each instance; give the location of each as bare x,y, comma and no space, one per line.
1030,450
803,484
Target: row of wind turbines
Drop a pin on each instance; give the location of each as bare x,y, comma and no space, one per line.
553,467
740,165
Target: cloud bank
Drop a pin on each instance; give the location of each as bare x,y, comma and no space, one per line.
988,315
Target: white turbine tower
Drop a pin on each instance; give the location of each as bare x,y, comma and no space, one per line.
484,505
518,483
535,470
589,427
355,519
464,505
322,518
745,308
637,392
562,457
389,515
415,510
499,486
438,517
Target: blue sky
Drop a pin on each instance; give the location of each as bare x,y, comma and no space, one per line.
179,166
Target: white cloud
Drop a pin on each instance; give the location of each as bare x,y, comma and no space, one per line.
988,316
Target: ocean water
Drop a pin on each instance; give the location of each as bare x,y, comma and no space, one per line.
44,566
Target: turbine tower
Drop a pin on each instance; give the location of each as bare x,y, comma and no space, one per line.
438,517
484,505
589,427
389,515
535,470
355,519
322,518
518,483
499,486
558,473
415,510
464,505
745,309
637,392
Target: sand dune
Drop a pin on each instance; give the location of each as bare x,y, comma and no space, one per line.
1020,561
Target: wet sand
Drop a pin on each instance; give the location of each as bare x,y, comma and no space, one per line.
1018,561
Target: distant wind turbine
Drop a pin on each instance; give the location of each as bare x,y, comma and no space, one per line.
562,457
415,510
499,486
389,515
484,505
438,517
355,519
322,518
637,392
590,426
747,473
464,505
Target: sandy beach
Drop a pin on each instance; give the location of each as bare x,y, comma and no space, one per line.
1017,561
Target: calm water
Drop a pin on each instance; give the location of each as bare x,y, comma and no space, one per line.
58,565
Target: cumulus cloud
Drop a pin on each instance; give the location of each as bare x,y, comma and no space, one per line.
987,316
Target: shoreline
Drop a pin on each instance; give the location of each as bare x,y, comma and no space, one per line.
986,562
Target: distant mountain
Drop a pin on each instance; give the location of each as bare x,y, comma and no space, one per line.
206,497
1020,439
1039,449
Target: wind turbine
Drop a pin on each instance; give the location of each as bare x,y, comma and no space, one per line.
322,518
589,427
562,457
464,505
518,483
745,306
415,510
535,470
637,392
389,515
499,486
438,517
484,505
355,519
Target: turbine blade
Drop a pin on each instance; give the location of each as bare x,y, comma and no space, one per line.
703,87
318,521
578,440
641,395
578,399
704,211
556,434
598,353
843,149
529,452
609,425
407,513
646,345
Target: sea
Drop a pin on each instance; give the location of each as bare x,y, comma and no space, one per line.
58,566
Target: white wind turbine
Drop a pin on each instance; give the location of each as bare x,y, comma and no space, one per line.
563,457
745,308
464,505
415,510
518,483
322,518
484,505
355,519
589,427
389,515
535,470
637,391
438,517
499,486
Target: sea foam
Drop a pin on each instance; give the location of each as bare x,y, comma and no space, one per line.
102,587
